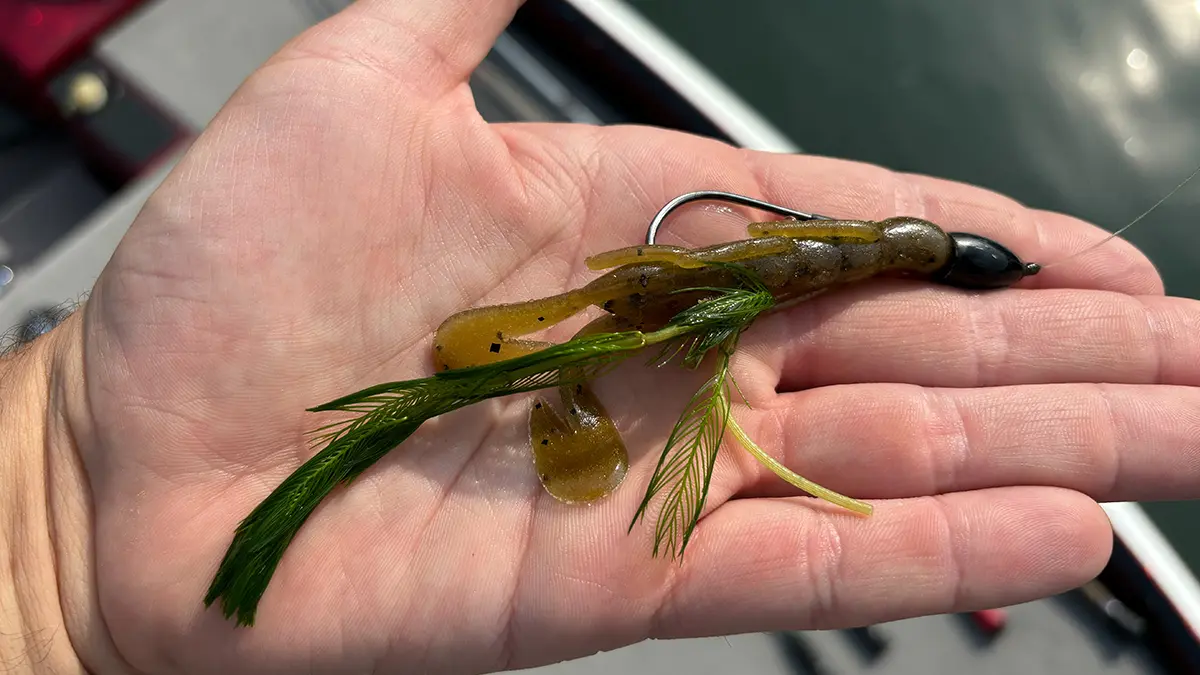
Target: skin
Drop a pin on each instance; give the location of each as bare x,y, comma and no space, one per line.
349,199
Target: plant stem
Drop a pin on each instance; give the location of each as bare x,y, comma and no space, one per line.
796,479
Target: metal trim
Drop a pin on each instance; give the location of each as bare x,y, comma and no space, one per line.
1158,558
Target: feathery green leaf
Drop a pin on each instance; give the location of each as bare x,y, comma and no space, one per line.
687,461
387,414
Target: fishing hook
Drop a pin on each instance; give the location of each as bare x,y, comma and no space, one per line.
718,196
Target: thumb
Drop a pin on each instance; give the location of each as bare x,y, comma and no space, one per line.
430,46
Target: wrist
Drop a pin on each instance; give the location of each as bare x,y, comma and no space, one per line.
34,635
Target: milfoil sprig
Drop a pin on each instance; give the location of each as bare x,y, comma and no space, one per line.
385,415
685,467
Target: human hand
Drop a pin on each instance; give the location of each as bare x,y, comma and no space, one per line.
349,198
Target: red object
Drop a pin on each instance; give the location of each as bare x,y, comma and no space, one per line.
42,42
990,621
39,38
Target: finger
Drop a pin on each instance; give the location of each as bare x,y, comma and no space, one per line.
618,178
890,333
876,441
427,45
760,565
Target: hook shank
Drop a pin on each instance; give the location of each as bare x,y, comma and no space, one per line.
718,196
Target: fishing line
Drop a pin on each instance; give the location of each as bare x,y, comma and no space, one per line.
1135,221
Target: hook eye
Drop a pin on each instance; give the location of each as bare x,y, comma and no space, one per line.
729,197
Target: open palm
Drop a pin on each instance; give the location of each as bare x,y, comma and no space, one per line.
349,198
